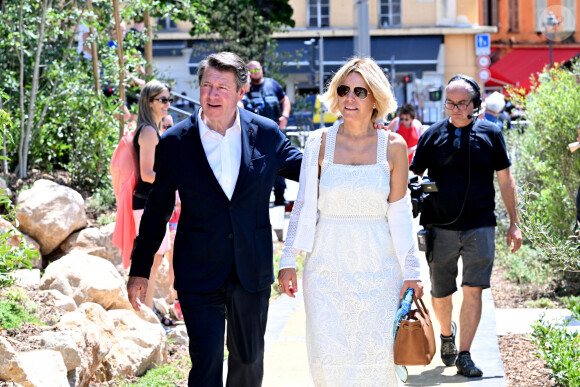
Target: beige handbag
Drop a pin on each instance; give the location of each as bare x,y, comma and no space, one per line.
415,341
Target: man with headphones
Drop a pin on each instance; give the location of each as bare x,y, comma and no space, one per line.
461,154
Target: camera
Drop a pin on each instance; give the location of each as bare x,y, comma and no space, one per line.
420,191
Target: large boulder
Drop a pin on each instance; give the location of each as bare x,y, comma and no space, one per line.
163,287
50,212
63,342
93,332
94,241
32,369
16,239
87,278
137,347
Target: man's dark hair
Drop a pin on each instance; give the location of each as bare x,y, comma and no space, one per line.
225,61
407,109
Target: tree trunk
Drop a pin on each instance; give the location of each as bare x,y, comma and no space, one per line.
25,145
148,44
121,66
94,52
4,161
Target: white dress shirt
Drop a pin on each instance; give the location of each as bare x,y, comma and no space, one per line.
224,153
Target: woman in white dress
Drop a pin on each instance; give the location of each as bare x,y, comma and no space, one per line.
353,217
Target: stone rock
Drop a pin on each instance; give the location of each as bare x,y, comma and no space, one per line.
161,305
4,186
179,335
146,314
94,341
63,342
137,347
50,212
94,241
10,365
163,282
27,277
62,302
44,368
87,278
17,238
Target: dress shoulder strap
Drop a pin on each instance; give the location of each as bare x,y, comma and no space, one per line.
382,143
330,142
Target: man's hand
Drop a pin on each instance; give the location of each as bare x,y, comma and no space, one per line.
514,234
288,282
416,285
137,289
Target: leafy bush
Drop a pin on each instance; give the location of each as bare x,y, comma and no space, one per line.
560,349
164,376
543,303
101,200
12,314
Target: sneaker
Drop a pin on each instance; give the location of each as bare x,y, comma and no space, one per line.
466,366
448,348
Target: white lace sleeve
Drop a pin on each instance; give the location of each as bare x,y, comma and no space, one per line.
302,224
400,218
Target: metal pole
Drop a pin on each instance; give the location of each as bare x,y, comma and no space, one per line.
321,73
551,58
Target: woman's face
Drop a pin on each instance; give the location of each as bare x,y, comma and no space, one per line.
406,120
352,105
159,108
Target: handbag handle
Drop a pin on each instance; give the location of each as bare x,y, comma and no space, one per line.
421,308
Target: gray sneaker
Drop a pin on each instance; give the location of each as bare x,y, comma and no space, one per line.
448,348
466,366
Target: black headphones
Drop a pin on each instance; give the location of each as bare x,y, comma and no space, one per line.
477,97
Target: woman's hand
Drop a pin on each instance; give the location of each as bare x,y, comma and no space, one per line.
416,285
380,125
288,282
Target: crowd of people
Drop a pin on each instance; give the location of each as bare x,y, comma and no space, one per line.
203,200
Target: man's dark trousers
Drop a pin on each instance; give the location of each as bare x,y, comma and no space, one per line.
223,246
246,314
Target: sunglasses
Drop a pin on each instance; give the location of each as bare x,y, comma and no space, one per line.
166,127
360,92
163,100
457,141
253,71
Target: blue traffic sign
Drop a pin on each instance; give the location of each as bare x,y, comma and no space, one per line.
482,44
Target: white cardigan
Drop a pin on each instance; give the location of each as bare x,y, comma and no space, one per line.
305,216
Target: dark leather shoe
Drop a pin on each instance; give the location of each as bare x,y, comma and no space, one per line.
466,366
448,348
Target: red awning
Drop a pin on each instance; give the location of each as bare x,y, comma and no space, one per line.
515,68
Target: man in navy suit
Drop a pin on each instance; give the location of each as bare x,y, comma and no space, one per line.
223,161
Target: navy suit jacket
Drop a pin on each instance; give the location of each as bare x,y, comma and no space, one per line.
213,232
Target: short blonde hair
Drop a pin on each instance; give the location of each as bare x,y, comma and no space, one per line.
375,79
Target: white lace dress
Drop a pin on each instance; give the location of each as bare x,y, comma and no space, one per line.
352,277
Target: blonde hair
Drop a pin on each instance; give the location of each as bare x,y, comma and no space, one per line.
375,79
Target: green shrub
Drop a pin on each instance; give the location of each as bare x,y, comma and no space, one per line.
12,314
163,376
15,293
106,218
525,266
543,303
560,349
102,199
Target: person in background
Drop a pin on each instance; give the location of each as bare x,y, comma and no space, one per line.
267,98
494,104
154,103
408,127
462,154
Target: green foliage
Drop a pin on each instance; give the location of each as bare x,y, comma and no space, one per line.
11,257
525,266
560,349
101,200
543,160
246,27
164,376
12,314
15,293
543,303
106,218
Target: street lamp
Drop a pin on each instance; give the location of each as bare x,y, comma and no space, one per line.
551,24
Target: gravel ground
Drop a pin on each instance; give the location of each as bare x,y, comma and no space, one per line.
522,368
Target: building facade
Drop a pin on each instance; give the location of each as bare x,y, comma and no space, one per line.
419,44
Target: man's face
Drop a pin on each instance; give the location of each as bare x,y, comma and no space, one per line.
460,114
256,72
219,97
